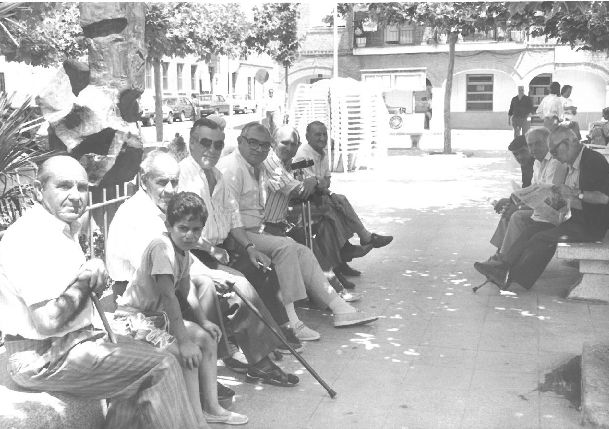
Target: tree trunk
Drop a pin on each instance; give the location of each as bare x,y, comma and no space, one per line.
158,99
452,41
285,98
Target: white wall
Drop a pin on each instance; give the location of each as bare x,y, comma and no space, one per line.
588,89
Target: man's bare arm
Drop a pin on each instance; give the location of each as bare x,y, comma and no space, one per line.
53,315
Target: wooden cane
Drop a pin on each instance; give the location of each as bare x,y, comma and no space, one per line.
102,316
232,288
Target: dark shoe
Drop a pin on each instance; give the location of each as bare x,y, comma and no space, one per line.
379,240
224,392
343,281
294,342
272,375
494,273
346,270
350,252
236,365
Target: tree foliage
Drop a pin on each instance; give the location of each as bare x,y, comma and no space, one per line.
584,25
40,33
275,31
200,29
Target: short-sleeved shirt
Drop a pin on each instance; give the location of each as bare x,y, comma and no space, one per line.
160,257
222,207
248,189
551,106
39,258
321,166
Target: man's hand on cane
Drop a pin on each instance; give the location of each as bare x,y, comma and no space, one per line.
94,271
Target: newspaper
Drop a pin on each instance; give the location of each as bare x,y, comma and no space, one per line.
545,201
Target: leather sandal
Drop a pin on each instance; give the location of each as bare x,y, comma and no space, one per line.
273,376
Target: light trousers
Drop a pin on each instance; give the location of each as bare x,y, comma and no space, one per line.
297,269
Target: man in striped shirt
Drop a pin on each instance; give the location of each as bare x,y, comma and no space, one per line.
282,186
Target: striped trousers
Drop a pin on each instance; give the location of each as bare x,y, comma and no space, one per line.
145,386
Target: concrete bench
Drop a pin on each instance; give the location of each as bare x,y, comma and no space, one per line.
23,409
593,266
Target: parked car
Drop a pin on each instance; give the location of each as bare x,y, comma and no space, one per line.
211,103
243,103
148,109
182,108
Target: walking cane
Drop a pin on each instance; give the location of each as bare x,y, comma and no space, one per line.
102,316
221,322
232,288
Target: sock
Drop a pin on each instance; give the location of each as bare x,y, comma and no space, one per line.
292,316
339,306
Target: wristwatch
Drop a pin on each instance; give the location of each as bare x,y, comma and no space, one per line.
248,245
581,195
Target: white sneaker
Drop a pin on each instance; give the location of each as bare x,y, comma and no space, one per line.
349,296
304,333
352,319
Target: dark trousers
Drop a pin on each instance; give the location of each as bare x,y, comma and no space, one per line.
531,253
267,286
520,125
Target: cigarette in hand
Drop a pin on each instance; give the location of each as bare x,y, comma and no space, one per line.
261,265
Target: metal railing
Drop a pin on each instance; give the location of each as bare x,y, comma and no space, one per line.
103,209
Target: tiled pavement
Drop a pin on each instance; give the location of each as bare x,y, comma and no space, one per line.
439,356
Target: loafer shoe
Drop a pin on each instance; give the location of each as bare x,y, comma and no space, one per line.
379,240
304,333
349,296
230,418
294,342
347,270
352,319
497,274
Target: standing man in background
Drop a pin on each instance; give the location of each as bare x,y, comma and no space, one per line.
518,115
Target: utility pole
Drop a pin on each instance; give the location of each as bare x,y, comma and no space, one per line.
335,30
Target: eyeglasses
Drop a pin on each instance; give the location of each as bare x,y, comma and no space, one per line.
258,145
207,143
554,150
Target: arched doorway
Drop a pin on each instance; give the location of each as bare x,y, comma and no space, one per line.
539,87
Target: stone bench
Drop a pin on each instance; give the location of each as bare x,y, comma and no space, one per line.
23,409
593,266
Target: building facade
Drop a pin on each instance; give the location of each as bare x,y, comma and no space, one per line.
489,66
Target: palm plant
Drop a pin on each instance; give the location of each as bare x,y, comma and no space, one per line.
19,154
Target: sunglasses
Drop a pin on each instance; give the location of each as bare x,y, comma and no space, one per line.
554,150
207,143
258,145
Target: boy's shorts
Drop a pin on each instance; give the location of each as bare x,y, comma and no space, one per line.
150,326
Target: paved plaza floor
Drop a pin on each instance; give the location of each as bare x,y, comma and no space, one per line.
439,356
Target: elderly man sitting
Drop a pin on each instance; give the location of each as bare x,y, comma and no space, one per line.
547,170
587,189
282,187
345,217
141,219
46,314
297,269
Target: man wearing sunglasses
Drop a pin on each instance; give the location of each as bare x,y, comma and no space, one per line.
297,269
587,190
